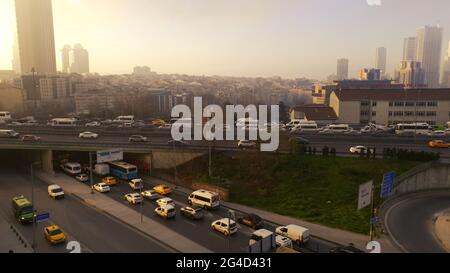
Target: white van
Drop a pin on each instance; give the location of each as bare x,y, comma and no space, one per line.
136,184
55,192
5,116
305,126
296,233
124,119
205,199
336,128
9,134
71,168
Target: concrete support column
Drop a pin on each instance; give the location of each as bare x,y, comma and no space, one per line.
148,161
47,161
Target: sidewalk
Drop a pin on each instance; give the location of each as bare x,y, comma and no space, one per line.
442,229
12,239
323,232
173,241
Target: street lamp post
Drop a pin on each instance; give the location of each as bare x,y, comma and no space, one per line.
230,215
91,177
34,244
142,201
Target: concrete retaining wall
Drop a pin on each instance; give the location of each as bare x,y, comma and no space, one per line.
170,159
425,177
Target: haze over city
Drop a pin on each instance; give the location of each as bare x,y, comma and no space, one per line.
286,38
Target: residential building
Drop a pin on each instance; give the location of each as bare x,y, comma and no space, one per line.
12,99
94,102
79,58
428,53
319,113
391,106
65,58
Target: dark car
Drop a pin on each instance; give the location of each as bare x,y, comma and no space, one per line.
193,213
346,249
251,220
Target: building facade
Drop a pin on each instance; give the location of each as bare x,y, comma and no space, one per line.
410,74
409,49
446,69
428,53
380,59
35,35
342,69
79,58
391,106
371,74
12,99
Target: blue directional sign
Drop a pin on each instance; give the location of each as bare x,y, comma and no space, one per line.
374,220
387,187
42,217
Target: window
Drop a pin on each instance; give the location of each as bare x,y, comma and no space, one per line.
409,103
399,103
391,104
420,114
409,113
398,113
421,104
390,113
431,114
364,113
365,103
374,114
432,104
374,103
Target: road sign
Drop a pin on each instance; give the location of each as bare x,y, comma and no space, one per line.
374,220
387,186
365,194
109,156
42,217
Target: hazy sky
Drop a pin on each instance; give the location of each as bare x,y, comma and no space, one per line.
289,38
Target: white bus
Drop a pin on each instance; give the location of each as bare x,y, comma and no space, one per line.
413,128
205,199
124,119
62,122
5,116
305,126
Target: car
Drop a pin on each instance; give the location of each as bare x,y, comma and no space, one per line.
93,124
30,138
173,142
133,198
296,233
136,184
150,195
360,149
88,135
192,213
82,177
346,249
282,241
162,189
55,192
137,138
165,201
252,220
242,144
166,211
438,134
165,126
101,187
222,226
438,144
109,180
54,235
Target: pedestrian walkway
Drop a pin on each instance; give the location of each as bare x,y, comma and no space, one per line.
173,241
12,240
330,234
442,229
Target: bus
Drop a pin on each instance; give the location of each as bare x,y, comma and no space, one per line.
305,126
413,128
63,122
22,209
123,170
5,116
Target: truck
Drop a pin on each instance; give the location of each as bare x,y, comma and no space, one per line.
101,169
22,209
296,233
262,241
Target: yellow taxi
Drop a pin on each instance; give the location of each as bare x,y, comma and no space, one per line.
110,181
162,189
54,235
438,144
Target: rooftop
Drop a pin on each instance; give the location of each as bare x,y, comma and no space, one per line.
317,112
393,94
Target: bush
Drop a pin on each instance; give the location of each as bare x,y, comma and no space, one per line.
325,151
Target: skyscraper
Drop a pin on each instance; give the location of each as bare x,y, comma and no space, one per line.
16,55
36,35
342,69
428,53
380,59
409,49
373,74
446,69
410,74
79,59
65,58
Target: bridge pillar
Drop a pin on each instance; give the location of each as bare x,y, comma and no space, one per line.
148,161
47,161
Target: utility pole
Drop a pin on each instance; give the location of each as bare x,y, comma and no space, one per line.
210,163
142,201
34,209
91,177
372,214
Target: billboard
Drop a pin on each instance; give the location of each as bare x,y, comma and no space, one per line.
109,156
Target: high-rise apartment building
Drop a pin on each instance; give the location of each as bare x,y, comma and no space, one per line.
428,53
65,58
372,74
446,69
342,69
35,35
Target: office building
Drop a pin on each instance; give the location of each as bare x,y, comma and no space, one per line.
79,58
342,69
410,74
36,36
380,59
65,58
428,53
409,49
372,74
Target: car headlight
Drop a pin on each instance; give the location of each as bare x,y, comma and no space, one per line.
23,218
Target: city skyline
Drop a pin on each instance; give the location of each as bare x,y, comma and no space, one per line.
261,44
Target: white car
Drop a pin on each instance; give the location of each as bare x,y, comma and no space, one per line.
165,201
359,149
283,241
136,184
150,195
55,192
133,198
246,144
222,226
166,211
82,177
88,135
93,124
101,187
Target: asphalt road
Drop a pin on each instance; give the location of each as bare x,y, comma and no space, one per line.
95,231
410,221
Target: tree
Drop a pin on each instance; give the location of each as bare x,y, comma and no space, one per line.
284,112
